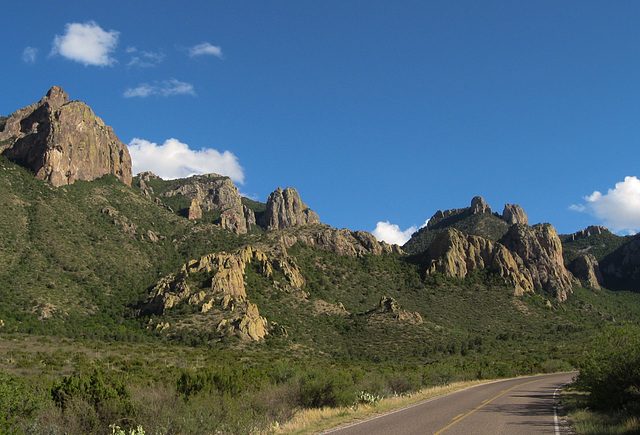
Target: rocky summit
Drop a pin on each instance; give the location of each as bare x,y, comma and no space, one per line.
63,141
285,209
528,258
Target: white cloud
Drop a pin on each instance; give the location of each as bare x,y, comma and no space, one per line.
391,233
29,55
619,208
144,59
165,88
205,49
86,43
174,159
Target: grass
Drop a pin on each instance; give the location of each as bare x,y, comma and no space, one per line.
585,421
311,421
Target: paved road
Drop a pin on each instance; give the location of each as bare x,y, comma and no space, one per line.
520,406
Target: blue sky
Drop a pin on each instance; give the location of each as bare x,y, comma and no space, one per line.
378,112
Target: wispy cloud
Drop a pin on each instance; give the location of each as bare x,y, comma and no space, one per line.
165,88
144,59
391,233
29,55
86,43
205,49
174,159
618,209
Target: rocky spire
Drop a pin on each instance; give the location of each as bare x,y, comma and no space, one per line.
285,209
514,214
479,206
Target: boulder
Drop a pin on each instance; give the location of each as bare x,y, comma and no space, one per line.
63,141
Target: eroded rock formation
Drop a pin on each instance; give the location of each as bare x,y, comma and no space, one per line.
227,288
540,249
342,242
454,253
586,268
217,192
62,141
514,214
285,209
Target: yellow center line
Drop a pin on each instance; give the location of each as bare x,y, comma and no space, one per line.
461,417
457,416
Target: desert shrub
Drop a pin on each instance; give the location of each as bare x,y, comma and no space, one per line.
100,398
225,379
611,370
331,387
18,402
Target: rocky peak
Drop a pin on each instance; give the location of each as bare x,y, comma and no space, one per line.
63,141
514,214
590,231
479,206
285,209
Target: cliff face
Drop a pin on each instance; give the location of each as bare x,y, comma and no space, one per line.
216,192
285,209
63,141
540,249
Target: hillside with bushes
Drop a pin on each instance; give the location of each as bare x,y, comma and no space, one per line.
182,307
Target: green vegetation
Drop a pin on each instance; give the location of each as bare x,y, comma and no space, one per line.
77,356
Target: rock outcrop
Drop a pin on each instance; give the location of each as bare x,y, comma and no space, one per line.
540,249
342,242
514,214
590,231
586,268
195,211
285,209
226,290
390,306
454,253
63,141
478,205
214,192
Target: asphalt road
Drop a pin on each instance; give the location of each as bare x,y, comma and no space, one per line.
514,406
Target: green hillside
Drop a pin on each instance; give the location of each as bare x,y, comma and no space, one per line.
79,262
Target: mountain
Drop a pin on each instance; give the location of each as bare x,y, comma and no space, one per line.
528,258
223,303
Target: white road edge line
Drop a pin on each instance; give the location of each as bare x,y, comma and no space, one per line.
555,411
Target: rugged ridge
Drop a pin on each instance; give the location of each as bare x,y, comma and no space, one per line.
63,141
216,192
342,242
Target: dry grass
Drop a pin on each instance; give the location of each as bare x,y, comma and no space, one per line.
312,421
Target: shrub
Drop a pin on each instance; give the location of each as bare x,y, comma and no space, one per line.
101,397
611,371
18,402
